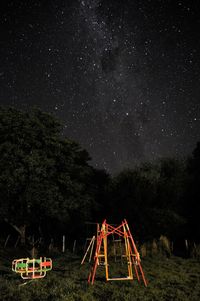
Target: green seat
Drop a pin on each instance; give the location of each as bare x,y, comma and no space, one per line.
21,265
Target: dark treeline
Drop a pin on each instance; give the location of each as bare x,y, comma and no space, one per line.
48,187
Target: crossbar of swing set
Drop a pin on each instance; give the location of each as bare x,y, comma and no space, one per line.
126,234
116,230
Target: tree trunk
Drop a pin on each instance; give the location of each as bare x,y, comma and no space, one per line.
21,230
23,234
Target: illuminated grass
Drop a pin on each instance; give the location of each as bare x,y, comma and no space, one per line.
169,279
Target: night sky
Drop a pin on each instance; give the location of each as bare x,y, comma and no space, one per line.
123,76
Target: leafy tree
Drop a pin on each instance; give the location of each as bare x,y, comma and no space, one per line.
166,215
100,185
132,194
44,178
171,186
151,197
193,193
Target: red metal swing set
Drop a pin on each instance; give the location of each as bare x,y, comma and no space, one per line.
131,255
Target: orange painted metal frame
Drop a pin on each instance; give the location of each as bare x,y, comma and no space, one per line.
131,252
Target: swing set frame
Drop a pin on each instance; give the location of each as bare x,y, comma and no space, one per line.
101,252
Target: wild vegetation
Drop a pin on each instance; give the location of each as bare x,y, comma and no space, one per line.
47,185
48,188
168,279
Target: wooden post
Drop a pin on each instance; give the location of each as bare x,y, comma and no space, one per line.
23,234
51,245
186,244
74,246
63,243
90,247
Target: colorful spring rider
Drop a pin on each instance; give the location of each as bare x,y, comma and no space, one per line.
32,268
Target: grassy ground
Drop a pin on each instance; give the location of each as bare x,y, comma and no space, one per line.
169,279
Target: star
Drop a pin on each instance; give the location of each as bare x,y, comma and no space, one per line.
123,78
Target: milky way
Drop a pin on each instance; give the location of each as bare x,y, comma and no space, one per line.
123,76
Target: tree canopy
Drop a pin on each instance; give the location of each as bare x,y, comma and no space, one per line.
43,176
151,196
46,183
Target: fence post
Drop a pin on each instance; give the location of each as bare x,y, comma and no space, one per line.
63,243
74,247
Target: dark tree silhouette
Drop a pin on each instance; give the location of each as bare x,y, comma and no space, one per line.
44,178
193,195
151,197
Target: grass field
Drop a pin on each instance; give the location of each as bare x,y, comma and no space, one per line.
168,279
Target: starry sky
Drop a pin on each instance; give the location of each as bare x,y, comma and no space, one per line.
123,76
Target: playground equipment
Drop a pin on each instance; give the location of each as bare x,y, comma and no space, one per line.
32,268
126,250
89,249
